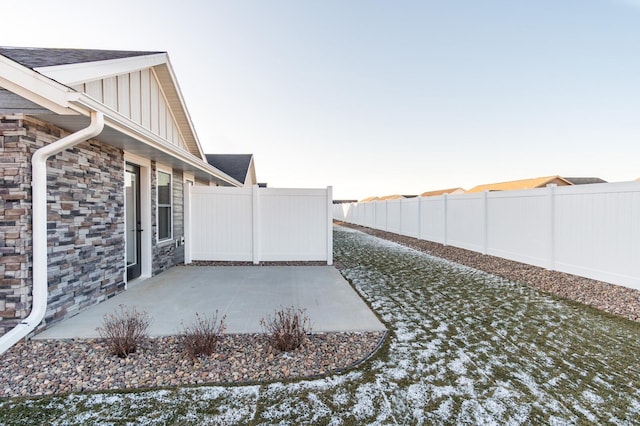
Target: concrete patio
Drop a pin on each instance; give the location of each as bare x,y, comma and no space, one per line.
245,294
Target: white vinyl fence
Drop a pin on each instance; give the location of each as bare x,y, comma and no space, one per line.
587,230
258,224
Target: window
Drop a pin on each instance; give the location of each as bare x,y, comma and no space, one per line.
164,206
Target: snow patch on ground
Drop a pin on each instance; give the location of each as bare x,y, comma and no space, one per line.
464,348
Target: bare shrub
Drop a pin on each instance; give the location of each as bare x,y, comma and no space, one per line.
288,328
124,330
201,337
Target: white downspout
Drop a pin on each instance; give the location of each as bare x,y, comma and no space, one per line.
39,221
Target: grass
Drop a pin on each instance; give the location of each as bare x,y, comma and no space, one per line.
464,348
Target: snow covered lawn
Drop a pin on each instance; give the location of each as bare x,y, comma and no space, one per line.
464,348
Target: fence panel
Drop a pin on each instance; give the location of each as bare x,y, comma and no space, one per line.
368,215
598,232
465,221
587,230
258,224
518,225
394,216
432,219
293,224
221,223
410,219
380,214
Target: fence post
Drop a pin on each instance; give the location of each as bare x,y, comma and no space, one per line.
400,218
485,221
419,217
374,215
329,226
255,205
551,236
186,190
386,215
446,214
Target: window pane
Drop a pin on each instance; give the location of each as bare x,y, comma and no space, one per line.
164,188
164,223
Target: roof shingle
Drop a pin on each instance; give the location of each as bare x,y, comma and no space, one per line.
235,165
32,57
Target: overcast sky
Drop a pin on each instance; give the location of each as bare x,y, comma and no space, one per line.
384,97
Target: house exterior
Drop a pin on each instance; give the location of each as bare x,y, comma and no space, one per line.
539,182
96,148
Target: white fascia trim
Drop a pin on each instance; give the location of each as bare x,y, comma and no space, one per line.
72,74
184,107
124,125
35,87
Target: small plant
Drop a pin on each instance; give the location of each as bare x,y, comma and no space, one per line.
201,337
125,330
287,329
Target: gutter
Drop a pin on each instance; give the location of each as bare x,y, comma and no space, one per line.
39,221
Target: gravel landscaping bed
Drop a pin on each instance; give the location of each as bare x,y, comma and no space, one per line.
45,367
614,299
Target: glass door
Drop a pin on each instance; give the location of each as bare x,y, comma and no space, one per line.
133,221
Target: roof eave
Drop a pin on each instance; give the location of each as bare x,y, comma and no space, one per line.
35,87
62,100
82,72
177,100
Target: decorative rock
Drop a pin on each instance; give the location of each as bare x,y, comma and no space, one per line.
84,365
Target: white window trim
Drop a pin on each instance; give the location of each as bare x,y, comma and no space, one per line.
169,171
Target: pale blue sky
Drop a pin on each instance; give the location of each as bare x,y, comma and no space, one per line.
383,97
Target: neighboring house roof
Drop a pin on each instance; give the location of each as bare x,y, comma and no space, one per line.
391,197
138,93
521,184
584,180
369,199
238,166
386,197
442,192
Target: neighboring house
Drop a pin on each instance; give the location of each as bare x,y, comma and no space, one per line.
521,184
387,197
442,192
584,180
241,167
107,202
369,199
392,197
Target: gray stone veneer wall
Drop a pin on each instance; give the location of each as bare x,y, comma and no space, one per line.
85,222
167,254
178,215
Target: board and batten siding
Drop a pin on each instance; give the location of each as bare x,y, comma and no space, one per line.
138,96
